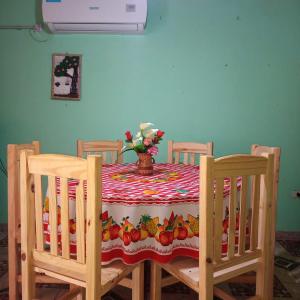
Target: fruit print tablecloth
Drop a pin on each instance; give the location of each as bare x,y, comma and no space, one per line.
146,217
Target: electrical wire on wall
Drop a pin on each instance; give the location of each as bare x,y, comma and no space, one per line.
36,31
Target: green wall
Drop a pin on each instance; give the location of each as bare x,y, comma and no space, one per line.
226,71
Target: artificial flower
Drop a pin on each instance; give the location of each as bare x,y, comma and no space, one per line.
128,136
160,133
145,140
153,150
144,126
150,133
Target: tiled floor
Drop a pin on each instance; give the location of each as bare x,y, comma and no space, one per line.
286,283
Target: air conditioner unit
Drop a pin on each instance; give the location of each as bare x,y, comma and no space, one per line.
95,16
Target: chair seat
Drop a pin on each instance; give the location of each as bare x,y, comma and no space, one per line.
113,273
186,270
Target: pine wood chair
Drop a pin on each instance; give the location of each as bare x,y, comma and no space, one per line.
85,270
213,268
111,153
109,150
189,150
263,151
14,218
14,221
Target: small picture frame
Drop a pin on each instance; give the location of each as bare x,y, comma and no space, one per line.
66,76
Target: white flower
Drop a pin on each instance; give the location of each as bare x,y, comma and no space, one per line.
150,133
137,141
144,126
127,146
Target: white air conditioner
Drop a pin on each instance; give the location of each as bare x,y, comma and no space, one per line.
95,16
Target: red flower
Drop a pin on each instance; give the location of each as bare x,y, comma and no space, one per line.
160,133
128,135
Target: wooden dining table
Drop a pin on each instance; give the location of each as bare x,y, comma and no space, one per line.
145,217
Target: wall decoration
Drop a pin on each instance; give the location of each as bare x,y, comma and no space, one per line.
66,74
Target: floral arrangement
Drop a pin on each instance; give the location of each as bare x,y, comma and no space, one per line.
145,140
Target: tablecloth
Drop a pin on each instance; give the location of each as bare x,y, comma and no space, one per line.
146,217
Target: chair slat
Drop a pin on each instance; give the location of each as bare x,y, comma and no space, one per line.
94,227
104,155
177,157
255,212
232,217
65,224
243,215
80,221
192,158
113,157
218,219
206,228
170,152
185,158
38,212
53,215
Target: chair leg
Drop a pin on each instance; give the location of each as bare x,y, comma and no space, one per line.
12,269
155,286
28,282
138,282
206,288
262,283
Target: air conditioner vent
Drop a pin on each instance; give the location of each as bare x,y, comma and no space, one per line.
93,28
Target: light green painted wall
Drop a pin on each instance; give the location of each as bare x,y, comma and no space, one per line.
226,71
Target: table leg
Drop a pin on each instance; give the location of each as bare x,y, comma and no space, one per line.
138,282
155,284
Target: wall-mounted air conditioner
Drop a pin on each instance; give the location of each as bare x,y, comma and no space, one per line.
95,16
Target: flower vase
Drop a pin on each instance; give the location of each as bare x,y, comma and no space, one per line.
145,164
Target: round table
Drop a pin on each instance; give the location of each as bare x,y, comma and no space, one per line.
145,217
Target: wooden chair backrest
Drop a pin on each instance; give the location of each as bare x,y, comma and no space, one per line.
13,172
109,150
188,150
57,259
247,168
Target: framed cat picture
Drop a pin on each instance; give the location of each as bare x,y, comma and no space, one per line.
66,76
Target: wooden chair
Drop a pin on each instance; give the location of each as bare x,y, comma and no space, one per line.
189,150
111,153
213,268
14,219
55,261
263,151
107,149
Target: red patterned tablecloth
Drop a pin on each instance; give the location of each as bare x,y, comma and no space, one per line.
146,217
